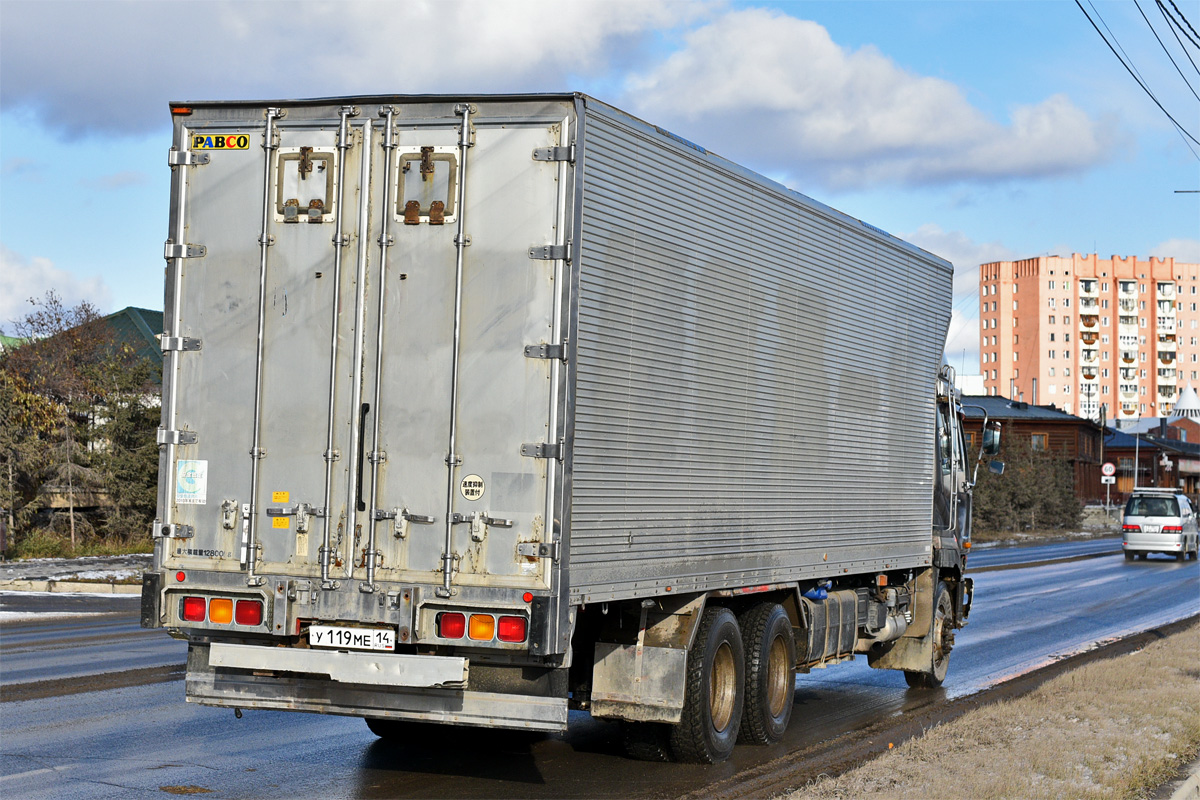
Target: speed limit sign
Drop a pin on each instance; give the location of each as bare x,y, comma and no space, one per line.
1109,469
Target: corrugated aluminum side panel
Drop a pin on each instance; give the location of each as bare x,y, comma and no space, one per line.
755,378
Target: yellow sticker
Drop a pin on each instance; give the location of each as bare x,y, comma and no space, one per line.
279,497
281,522
220,141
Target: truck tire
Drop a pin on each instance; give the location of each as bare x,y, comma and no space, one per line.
1181,556
942,634
770,652
646,741
395,730
712,698
1128,556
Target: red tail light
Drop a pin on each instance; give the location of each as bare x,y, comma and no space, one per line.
193,609
511,629
248,612
1172,529
1134,528
451,625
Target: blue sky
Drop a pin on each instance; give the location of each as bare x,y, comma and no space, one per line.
978,130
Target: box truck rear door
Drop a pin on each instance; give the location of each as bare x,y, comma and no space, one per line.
456,321
269,395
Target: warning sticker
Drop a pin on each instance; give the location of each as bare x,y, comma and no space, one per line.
279,497
220,141
471,487
280,522
191,482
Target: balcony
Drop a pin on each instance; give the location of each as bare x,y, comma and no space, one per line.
1088,286
1167,392
1128,321
1088,320
1129,409
1127,288
1166,291
1128,373
1090,355
1089,337
1166,341
1166,308
1128,390
1166,374
1088,305
1166,356
1128,357
1128,306
1166,325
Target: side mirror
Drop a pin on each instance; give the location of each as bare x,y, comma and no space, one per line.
991,441
996,467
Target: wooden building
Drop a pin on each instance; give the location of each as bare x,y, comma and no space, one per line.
1043,428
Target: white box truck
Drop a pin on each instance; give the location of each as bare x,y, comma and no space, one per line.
480,409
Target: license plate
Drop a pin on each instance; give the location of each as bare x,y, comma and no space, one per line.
1149,529
346,638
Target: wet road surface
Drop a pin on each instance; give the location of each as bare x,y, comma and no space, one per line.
134,741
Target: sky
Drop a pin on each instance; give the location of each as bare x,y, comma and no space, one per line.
977,130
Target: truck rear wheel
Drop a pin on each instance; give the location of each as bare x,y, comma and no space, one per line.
770,652
712,700
942,634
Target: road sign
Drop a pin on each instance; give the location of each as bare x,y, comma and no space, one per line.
1108,479
1109,469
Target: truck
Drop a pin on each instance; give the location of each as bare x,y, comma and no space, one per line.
481,409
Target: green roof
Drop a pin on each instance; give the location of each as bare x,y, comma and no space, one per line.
8,342
139,328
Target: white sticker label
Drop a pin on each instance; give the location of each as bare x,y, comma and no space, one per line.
471,487
191,483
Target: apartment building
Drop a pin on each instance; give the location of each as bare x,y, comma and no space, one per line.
1086,333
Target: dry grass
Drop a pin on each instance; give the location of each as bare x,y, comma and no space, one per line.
1116,728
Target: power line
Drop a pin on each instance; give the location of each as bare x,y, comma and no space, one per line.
1165,50
1132,73
1185,21
1171,24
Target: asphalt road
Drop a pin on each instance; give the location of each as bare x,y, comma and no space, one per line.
135,741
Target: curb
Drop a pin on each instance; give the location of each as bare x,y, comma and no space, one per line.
73,587
1189,788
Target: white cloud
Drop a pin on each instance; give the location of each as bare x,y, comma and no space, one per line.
112,66
1187,250
766,86
966,255
22,279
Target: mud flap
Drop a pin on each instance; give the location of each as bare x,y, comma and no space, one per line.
913,655
914,650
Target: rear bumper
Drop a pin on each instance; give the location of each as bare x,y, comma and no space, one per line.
219,678
1154,543
376,669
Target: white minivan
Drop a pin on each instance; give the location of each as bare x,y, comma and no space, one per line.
1159,521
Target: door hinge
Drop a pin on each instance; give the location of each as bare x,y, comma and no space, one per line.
176,437
543,450
186,343
551,252
554,352
555,153
538,550
172,250
186,158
